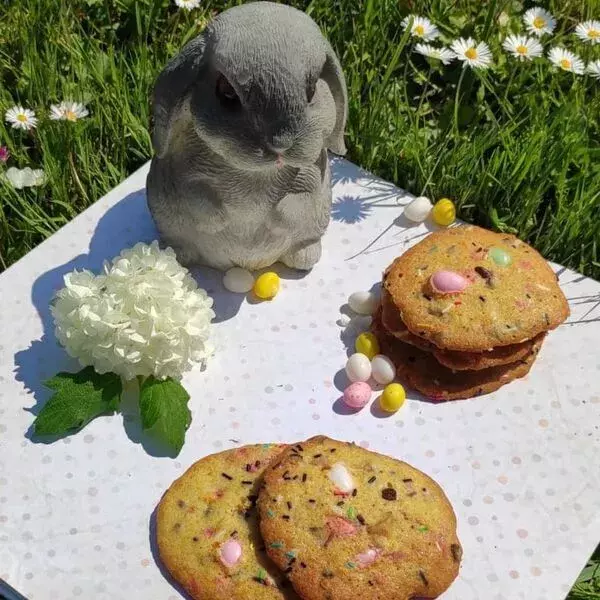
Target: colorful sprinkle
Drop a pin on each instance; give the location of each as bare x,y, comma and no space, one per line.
291,554
351,565
276,545
500,256
270,513
423,528
351,512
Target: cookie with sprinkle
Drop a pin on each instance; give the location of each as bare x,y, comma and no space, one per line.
470,289
207,529
343,522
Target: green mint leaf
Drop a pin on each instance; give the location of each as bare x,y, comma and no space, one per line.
78,398
164,411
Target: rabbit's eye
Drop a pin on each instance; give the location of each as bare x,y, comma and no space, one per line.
225,91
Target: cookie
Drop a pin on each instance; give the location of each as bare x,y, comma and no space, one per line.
343,522
207,530
457,361
421,371
508,292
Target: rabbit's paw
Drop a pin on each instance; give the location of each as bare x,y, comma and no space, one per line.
303,259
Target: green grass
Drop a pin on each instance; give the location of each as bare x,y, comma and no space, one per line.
518,152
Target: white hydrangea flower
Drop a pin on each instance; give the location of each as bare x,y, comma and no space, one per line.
27,177
144,315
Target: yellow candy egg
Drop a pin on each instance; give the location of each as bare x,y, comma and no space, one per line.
266,286
444,212
392,398
367,344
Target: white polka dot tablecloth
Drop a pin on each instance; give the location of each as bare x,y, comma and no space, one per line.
520,466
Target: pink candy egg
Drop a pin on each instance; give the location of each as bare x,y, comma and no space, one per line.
357,394
231,552
448,282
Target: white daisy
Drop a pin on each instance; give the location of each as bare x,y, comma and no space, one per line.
443,54
421,27
539,21
188,4
522,47
593,69
589,31
566,60
471,53
68,111
21,118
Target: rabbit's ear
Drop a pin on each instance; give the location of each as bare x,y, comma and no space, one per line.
171,89
333,76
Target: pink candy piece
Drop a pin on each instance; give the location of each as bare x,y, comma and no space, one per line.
364,559
340,527
231,552
357,394
448,282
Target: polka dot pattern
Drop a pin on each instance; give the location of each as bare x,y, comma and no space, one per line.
517,464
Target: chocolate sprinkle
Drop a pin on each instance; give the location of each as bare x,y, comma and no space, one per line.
285,517
195,539
485,274
372,479
311,500
388,493
289,505
340,503
408,480
304,477
246,482
181,503
482,298
354,492
332,450
423,578
456,551
317,456
227,476
303,565
286,475
360,519
234,533
288,569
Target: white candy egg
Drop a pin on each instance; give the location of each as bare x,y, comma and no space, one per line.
358,367
363,303
238,280
383,369
341,478
418,210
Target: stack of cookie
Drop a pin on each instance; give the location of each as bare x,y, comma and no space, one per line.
318,520
466,310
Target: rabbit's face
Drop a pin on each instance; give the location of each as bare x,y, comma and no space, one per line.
262,116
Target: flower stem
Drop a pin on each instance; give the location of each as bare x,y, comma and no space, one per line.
457,99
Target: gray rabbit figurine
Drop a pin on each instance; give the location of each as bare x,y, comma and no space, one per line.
243,119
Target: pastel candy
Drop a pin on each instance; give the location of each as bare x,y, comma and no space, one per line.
231,552
418,210
500,256
364,559
341,478
357,395
448,282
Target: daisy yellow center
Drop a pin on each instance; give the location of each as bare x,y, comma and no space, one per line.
594,34
419,29
22,118
539,22
521,49
471,53
565,63
70,115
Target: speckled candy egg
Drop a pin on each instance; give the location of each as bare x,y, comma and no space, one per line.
357,395
238,280
383,369
448,282
358,367
418,210
363,303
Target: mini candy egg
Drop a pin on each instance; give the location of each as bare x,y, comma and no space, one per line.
341,478
444,212
231,552
267,285
238,280
363,303
366,343
418,210
500,256
358,368
357,394
392,398
383,369
448,282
